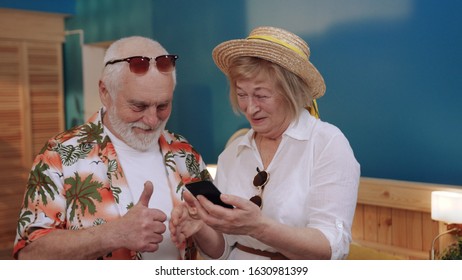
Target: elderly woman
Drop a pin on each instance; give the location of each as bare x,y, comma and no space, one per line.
292,179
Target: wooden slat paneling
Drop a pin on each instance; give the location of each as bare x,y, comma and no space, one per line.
384,226
370,223
25,25
400,213
45,92
31,104
399,194
429,231
414,230
12,139
357,229
398,231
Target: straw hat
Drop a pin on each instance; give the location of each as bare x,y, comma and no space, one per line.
278,46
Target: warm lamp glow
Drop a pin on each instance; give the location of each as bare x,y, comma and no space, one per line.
447,207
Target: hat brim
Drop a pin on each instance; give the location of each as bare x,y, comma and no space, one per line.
225,52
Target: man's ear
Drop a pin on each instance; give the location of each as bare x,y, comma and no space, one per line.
103,93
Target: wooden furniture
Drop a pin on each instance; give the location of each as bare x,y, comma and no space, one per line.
31,104
394,217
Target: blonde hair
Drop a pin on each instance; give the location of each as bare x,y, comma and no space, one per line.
293,90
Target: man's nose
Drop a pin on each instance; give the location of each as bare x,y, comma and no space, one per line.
150,117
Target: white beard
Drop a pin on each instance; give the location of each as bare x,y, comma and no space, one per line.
140,142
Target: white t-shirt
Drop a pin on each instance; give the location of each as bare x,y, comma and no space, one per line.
314,180
138,168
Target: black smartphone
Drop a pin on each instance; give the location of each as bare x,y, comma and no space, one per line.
209,190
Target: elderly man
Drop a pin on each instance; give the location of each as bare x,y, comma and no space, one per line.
105,189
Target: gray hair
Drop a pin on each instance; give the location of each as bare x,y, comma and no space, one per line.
126,47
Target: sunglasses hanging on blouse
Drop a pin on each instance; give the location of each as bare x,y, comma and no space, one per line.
260,181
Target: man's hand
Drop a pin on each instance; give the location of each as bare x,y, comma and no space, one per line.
141,228
185,220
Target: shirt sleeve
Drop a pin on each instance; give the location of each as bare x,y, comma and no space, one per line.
333,194
43,207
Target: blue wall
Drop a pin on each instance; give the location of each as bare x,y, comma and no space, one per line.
201,108
50,6
392,70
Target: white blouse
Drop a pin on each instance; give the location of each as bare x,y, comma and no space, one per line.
314,180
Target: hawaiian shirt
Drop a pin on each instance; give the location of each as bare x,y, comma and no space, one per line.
76,181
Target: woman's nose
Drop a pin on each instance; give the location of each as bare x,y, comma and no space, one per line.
252,106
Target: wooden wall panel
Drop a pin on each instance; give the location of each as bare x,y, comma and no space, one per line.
384,226
31,104
399,235
400,211
10,100
12,139
44,61
370,223
414,230
11,104
430,229
31,26
357,229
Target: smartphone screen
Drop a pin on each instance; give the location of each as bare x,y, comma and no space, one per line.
209,190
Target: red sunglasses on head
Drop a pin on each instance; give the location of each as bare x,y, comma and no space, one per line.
140,64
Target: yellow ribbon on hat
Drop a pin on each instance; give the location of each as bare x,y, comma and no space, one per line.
313,109
280,42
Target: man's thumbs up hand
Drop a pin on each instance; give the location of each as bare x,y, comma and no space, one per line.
146,194
142,227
